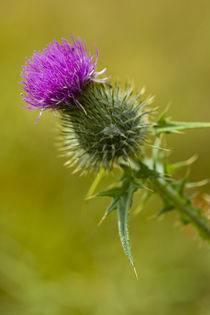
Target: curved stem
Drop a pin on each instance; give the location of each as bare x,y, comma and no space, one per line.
180,204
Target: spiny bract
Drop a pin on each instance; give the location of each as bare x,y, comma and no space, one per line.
109,126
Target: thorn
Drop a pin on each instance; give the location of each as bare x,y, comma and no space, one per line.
80,105
157,147
90,197
192,159
150,99
142,91
137,210
102,220
179,132
135,271
149,189
40,114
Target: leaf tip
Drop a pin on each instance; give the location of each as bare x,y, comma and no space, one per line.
101,220
136,273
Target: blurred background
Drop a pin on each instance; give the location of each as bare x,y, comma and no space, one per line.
54,259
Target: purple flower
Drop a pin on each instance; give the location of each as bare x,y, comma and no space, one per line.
57,74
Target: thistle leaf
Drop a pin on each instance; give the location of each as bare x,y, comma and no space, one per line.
165,125
123,214
197,184
112,192
122,201
173,194
113,206
171,168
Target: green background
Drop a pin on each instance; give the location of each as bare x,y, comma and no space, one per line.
54,259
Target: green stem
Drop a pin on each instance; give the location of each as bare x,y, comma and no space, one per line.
180,203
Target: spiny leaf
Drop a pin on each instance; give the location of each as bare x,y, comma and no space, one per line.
171,168
145,172
113,206
122,201
197,184
180,185
173,194
123,213
112,192
165,125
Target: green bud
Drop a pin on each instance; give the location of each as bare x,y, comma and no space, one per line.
108,125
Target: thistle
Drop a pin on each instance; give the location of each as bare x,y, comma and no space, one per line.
105,126
111,129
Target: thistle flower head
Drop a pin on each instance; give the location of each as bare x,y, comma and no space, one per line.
111,130
108,124
57,74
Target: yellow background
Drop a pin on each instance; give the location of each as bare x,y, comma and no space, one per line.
54,260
